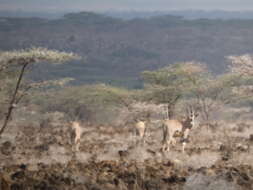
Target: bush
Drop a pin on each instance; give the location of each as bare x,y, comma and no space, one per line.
97,103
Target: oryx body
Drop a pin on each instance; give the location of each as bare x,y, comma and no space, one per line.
78,132
140,128
172,127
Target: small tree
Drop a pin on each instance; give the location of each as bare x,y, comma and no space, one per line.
243,66
169,84
214,91
18,62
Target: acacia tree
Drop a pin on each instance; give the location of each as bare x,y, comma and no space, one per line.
168,85
242,66
212,92
16,63
193,82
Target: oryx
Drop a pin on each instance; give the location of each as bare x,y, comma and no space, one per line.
172,127
140,128
77,134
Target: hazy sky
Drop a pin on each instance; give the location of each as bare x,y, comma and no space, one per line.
101,5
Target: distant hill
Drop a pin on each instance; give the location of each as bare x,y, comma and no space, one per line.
117,50
29,14
187,14
130,14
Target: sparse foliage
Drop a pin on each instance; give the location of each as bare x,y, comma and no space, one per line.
169,84
243,66
17,62
212,92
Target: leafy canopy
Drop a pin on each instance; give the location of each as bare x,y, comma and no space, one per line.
173,81
35,55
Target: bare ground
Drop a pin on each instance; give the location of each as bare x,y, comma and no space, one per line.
218,157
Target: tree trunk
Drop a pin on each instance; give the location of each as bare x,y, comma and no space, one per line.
12,104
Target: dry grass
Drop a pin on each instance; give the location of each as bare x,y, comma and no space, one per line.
104,142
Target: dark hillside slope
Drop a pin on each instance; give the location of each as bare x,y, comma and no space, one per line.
116,51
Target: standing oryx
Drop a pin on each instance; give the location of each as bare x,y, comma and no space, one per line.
140,127
77,129
173,127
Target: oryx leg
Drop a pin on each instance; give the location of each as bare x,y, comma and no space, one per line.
165,146
185,137
173,141
78,145
167,143
78,139
183,147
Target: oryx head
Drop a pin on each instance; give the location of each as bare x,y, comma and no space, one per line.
191,116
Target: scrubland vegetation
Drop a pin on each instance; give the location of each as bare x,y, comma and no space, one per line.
36,142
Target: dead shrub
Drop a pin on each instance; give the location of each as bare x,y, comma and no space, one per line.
251,137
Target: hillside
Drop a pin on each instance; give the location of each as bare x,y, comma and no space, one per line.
187,14
115,51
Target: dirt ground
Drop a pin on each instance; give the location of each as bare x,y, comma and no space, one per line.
42,157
